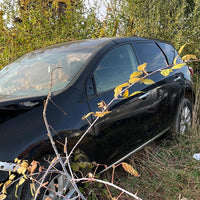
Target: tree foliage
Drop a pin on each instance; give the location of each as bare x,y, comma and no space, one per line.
177,21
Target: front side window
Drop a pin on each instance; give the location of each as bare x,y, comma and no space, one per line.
115,68
151,54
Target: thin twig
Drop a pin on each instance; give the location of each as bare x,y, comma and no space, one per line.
108,191
54,148
120,195
110,184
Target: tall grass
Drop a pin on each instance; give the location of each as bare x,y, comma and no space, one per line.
167,167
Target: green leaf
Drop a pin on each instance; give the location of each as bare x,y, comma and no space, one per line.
77,156
90,165
75,166
83,165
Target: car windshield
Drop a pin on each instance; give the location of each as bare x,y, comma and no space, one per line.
30,75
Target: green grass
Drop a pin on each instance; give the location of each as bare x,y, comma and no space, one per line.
167,167
168,170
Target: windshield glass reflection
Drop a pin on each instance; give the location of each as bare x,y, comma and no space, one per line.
31,75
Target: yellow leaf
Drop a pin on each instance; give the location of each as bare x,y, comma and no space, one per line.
133,80
24,164
102,104
119,88
182,47
189,57
5,186
134,93
166,72
141,68
21,170
126,93
17,160
11,177
175,59
86,116
33,166
135,74
24,175
21,181
101,114
148,81
32,187
128,168
2,196
178,66
117,91
124,85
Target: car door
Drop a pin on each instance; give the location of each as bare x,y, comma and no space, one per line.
124,128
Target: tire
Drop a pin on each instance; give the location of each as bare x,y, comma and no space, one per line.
183,119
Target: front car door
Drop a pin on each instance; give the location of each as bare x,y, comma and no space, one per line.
122,130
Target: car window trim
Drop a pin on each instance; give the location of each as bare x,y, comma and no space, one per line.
163,53
145,42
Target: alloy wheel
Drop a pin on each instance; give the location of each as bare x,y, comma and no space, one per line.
62,186
185,119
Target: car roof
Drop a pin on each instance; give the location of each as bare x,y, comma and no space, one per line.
96,43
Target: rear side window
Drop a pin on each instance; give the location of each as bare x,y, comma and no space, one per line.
115,68
169,51
151,54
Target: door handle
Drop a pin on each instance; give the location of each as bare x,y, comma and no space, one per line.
144,95
177,78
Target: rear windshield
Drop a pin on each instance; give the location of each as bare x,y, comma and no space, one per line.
30,75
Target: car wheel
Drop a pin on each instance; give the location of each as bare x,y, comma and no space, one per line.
61,186
57,184
183,119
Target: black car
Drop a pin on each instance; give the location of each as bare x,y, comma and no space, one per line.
85,73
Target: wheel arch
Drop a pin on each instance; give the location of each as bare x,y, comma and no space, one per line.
43,147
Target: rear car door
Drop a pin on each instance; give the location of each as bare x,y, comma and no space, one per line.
157,56
124,128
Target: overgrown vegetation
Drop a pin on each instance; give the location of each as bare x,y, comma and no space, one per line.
176,21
